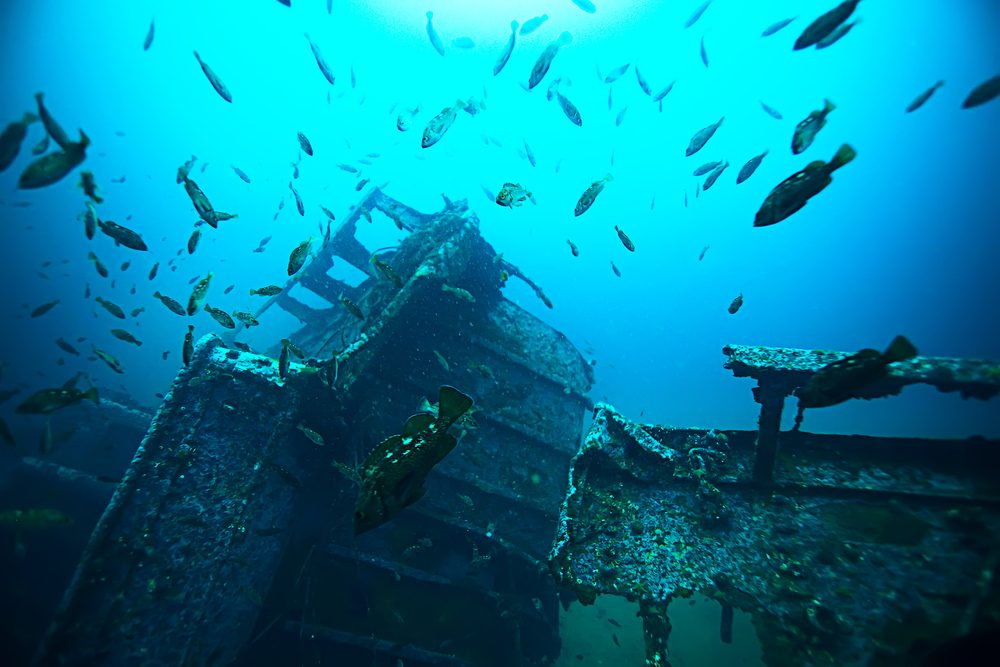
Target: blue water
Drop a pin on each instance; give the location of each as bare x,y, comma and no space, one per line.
904,241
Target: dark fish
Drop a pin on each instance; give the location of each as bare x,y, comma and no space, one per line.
614,638
841,380
643,84
615,270
47,401
328,213
89,186
187,350
393,474
148,42
544,61
704,53
298,256
697,14
66,347
983,93
808,127
228,289
284,362
529,153
123,335
122,235
137,311
220,316
299,206
626,241
701,137
438,125
736,304
44,308
192,243
836,35
611,620
922,98
620,117
247,319
617,73
664,92
750,167
351,307
41,146
775,27
533,24
568,108
172,304
714,176
701,255
361,184
305,144
267,290
320,61
771,111
12,138
707,167
53,167
792,194
213,79
198,294
108,359
825,24
433,36
98,264
573,248
111,307
590,194
387,271
507,50
52,128
242,174
154,270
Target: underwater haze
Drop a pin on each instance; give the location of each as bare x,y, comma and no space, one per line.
904,241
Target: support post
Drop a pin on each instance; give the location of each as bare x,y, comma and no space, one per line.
772,401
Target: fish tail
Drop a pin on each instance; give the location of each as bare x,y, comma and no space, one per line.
828,106
452,404
844,155
91,395
899,349
28,118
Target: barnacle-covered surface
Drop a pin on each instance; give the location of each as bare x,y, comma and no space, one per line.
790,367
186,542
837,561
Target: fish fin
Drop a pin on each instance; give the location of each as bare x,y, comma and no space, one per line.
899,349
452,404
844,155
91,395
416,424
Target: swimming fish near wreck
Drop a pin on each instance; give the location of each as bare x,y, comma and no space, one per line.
393,474
590,194
795,191
53,167
198,294
701,137
512,195
825,24
841,380
432,35
187,350
320,61
507,50
750,167
47,401
544,61
122,235
220,316
809,127
298,256
214,79
12,137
